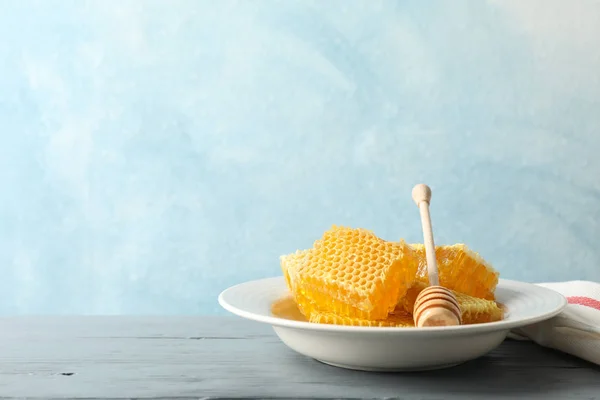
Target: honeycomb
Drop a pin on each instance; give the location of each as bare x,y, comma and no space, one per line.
473,310
399,320
477,311
460,269
407,302
351,273
308,307
291,262
352,277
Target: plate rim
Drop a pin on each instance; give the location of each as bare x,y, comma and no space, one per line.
331,328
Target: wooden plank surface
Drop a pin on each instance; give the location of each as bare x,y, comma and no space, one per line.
225,357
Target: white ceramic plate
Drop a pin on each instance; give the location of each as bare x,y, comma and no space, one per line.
393,349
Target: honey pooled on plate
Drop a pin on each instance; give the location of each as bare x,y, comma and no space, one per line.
350,273
287,308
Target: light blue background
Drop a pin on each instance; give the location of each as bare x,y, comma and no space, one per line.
152,153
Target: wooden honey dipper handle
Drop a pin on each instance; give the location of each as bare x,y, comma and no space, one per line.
435,305
421,195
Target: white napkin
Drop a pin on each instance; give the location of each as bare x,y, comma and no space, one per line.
576,330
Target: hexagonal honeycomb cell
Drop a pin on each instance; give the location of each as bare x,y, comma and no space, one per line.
460,269
351,272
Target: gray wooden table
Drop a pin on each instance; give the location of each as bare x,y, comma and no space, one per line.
225,357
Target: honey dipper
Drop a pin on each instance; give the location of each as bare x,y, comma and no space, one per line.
435,305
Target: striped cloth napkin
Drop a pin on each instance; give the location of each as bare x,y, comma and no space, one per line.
576,330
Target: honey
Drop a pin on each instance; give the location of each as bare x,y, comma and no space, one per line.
352,277
473,311
352,273
460,269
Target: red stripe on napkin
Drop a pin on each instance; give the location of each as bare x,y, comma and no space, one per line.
584,301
